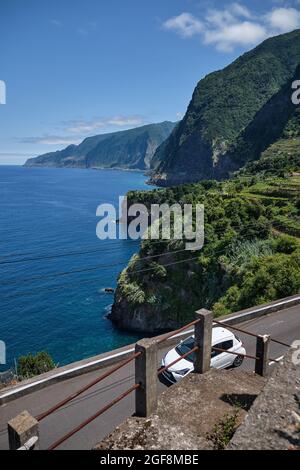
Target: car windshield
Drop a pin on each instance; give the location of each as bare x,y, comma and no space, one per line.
185,347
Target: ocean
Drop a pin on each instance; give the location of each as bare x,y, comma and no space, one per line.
51,262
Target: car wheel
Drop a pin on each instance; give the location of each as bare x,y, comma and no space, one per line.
238,361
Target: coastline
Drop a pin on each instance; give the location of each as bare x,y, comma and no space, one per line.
147,172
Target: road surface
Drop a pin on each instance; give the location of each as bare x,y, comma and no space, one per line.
283,325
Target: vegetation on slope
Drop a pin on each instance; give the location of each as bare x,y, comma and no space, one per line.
246,259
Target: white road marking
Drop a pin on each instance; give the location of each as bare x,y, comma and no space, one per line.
278,322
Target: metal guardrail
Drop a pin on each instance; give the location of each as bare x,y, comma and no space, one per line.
146,372
253,335
174,333
85,388
256,358
92,418
105,360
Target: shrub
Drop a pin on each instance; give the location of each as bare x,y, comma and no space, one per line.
263,280
31,365
159,271
228,303
271,278
134,294
243,251
287,244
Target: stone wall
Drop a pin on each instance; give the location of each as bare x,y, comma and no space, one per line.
273,423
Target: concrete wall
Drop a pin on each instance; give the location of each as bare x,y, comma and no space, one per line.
273,422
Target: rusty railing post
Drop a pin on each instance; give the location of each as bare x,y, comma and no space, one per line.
262,354
21,429
203,337
146,377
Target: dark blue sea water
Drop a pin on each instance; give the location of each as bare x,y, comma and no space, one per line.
51,212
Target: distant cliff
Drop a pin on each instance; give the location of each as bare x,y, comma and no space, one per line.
130,149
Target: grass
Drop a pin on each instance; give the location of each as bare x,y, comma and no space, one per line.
224,430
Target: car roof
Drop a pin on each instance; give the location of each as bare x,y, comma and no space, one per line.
220,334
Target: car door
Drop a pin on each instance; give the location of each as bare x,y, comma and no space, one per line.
220,360
215,356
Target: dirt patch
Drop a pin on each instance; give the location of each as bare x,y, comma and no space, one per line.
188,412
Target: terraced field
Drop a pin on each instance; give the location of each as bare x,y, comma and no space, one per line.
282,197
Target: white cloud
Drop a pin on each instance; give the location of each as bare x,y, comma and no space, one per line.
230,15
240,34
56,23
125,121
50,140
218,18
235,25
185,24
83,30
240,10
73,132
284,19
86,127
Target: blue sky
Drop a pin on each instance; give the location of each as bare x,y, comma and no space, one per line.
75,68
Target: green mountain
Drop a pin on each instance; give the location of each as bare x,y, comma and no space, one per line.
241,120
234,115
274,135
130,149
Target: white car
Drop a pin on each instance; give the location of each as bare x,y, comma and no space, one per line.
221,338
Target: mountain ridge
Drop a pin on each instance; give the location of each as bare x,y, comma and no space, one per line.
128,149
223,105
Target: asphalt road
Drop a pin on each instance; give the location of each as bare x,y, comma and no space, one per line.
283,325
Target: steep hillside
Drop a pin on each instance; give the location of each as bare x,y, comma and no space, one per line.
224,113
274,131
130,149
283,155
251,254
